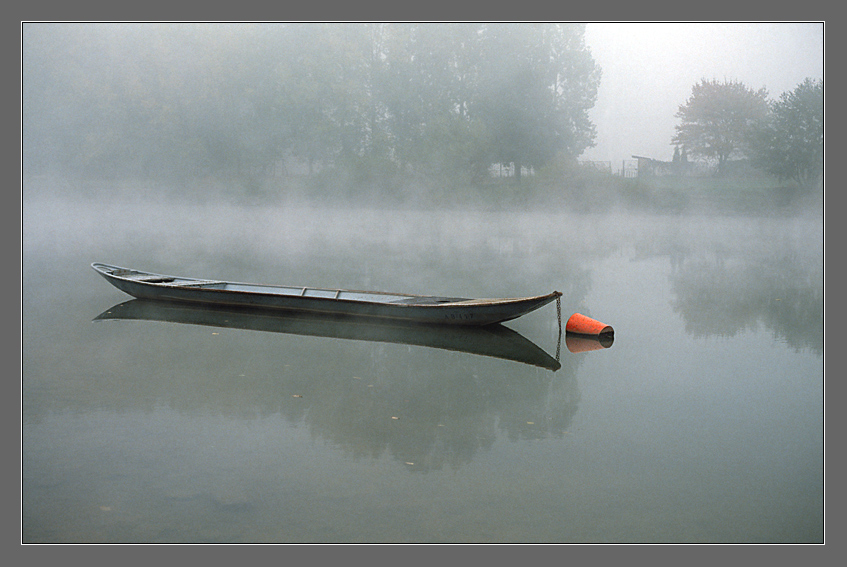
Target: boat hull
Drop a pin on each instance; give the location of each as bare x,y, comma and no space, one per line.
401,307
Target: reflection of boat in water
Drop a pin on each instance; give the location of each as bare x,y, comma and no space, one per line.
393,306
489,340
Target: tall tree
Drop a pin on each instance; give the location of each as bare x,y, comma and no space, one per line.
790,143
719,119
538,83
309,76
430,71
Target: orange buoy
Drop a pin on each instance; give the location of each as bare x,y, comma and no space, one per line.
582,325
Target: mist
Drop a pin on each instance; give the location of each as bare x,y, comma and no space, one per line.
323,109
457,160
431,115
649,69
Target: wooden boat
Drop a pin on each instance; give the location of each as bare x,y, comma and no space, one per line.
391,306
495,341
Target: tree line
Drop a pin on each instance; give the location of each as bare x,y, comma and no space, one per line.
417,99
728,120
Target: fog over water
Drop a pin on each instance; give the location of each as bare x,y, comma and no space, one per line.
145,422
150,430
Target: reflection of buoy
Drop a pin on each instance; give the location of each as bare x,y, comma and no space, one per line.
584,343
582,325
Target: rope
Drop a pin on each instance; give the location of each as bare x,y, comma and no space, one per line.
559,317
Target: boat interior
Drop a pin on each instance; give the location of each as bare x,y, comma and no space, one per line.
337,294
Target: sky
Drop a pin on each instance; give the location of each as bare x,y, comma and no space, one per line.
650,68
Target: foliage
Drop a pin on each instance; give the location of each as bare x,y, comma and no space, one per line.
536,88
183,99
789,144
719,119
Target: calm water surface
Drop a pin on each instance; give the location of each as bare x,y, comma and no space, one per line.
703,422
